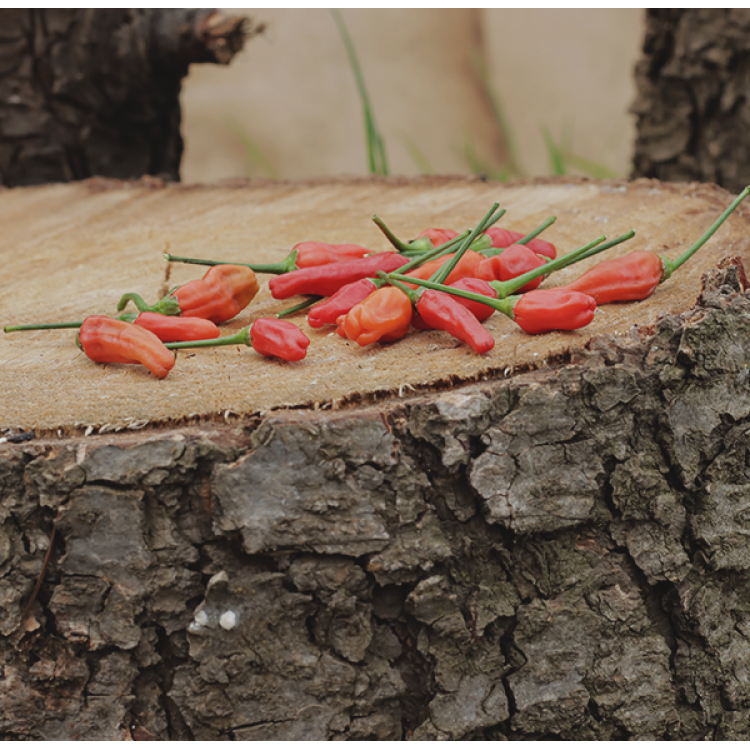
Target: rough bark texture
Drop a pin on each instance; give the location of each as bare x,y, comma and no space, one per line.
693,106
560,554
96,91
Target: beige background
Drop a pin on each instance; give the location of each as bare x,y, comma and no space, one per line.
291,92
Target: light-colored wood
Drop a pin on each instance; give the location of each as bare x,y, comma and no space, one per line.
68,251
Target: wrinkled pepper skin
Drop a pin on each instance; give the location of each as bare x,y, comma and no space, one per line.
173,328
223,292
633,277
326,280
443,312
108,340
330,310
506,238
310,254
282,339
438,236
465,268
545,310
514,261
384,316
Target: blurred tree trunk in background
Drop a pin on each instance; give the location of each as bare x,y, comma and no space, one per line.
96,91
693,101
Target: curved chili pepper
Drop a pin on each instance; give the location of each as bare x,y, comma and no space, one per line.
105,340
310,254
223,292
340,302
632,277
445,313
173,328
545,310
385,315
506,237
325,280
514,261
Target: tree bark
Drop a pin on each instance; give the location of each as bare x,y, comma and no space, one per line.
693,105
555,555
96,91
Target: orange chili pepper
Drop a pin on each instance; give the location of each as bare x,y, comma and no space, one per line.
385,315
105,340
224,291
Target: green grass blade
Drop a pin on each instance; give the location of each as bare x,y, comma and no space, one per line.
376,156
513,163
254,156
556,156
417,155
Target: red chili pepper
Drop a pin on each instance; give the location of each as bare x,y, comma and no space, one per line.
632,277
506,238
325,280
545,310
310,254
104,340
384,316
465,268
480,286
438,236
339,303
445,313
514,261
224,291
278,338
173,328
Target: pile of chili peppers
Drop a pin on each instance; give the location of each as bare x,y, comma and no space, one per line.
442,280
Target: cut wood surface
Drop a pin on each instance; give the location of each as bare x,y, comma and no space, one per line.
72,250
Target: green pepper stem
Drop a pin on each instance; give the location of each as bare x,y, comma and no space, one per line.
533,235
483,298
487,221
424,244
670,266
600,249
530,236
43,326
136,299
400,245
296,308
436,252
506,288
285,266
412,294
503,288
242,337
167,305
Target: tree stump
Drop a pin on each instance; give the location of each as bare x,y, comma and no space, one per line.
692,105
95,91
403,541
